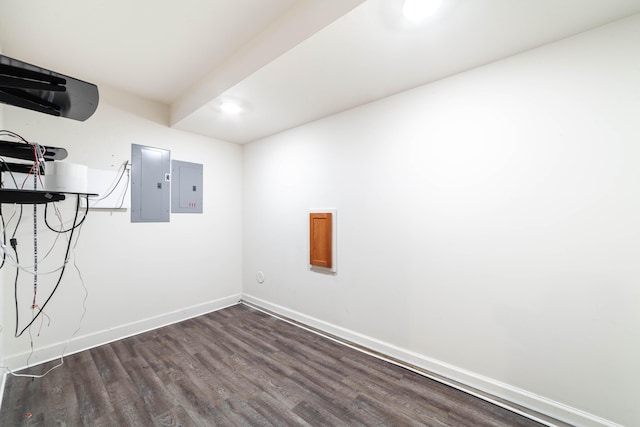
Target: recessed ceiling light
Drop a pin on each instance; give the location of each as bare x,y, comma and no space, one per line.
416,10
229,107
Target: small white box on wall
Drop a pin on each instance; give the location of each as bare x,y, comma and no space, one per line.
66,177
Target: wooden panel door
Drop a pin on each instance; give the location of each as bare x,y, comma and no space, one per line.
320,244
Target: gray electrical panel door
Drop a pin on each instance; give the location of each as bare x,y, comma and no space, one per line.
186,188
150,184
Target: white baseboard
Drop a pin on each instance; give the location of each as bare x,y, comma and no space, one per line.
478,385
51,352
2,384
470,382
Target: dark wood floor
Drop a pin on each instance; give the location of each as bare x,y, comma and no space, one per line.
238,367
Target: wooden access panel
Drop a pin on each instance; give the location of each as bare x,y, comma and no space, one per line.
320,244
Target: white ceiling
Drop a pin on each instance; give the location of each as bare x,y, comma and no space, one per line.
287,62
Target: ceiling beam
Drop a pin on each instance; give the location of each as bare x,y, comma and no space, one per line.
301,22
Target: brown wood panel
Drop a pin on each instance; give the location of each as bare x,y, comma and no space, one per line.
320,239
238,367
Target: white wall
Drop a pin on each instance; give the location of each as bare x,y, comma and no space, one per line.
488,226
142,275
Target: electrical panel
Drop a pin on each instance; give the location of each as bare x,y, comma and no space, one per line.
150,184
186,188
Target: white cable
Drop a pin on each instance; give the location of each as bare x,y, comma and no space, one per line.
30,343
32,269
12,262
125,190
84,286
8,222
6,368
114,183
39,159
84,312
28,268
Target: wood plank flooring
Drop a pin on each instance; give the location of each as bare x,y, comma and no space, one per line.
238,367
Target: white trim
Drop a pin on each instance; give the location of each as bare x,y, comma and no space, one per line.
478,385
3,382
52,352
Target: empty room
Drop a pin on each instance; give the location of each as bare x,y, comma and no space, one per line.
320,212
